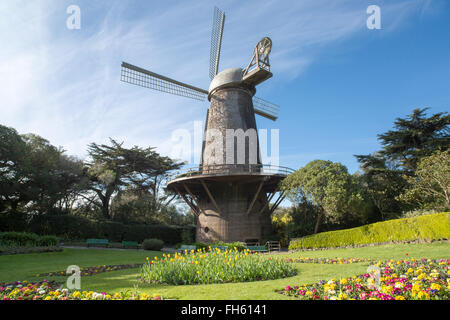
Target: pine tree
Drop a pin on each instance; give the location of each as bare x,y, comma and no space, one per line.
415,137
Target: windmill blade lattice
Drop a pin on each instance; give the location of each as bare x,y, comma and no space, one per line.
216,41
265,108
147,79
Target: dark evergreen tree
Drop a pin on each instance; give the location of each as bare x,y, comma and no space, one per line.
415,137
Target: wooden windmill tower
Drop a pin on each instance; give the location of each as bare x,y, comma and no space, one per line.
231,190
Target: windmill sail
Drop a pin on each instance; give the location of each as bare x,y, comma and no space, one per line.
216,41
147,79
265,108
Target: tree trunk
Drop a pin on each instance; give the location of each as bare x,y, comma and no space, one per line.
319,219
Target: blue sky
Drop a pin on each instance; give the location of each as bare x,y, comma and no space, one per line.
338,83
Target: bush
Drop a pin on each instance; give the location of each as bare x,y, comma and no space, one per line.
152,244
23,239
18,239
71,227
188,235
13,222
426,227
47,241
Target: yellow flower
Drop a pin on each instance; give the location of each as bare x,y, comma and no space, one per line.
344,281
435,286
423,294
399,298
342,296
386,289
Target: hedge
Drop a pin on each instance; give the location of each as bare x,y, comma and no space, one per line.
71,227
24,239
426,227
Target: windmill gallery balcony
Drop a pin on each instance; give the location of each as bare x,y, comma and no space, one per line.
230,201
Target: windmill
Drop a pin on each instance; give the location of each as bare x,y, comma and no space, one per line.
230,191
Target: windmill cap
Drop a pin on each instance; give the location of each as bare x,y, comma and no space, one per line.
227,77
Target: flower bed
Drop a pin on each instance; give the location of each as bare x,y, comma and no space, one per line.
214,266
51,290
23,250
89,271
329,260
423,279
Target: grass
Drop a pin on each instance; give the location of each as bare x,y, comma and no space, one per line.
426,227
26,266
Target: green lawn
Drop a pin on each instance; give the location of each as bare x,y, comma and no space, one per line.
26,266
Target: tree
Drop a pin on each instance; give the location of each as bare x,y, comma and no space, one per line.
415,137
386,172
113,168
430,186
382,182
326,185
34,175
12,155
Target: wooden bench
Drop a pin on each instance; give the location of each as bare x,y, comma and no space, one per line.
128,244
273,245
97,242
257,248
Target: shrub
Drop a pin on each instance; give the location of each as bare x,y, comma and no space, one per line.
13,222
426,227
24,239
152,244
18,239
187,235
47,241
77,227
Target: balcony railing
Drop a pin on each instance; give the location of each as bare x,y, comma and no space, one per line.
230,169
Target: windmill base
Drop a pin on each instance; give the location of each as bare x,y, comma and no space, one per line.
230,222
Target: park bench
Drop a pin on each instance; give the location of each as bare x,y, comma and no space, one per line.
128,244
97,242
273,245
257,248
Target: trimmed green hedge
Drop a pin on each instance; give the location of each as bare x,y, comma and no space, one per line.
72,227
426,227
24,239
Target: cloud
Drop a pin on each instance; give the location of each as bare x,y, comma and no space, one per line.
64,84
